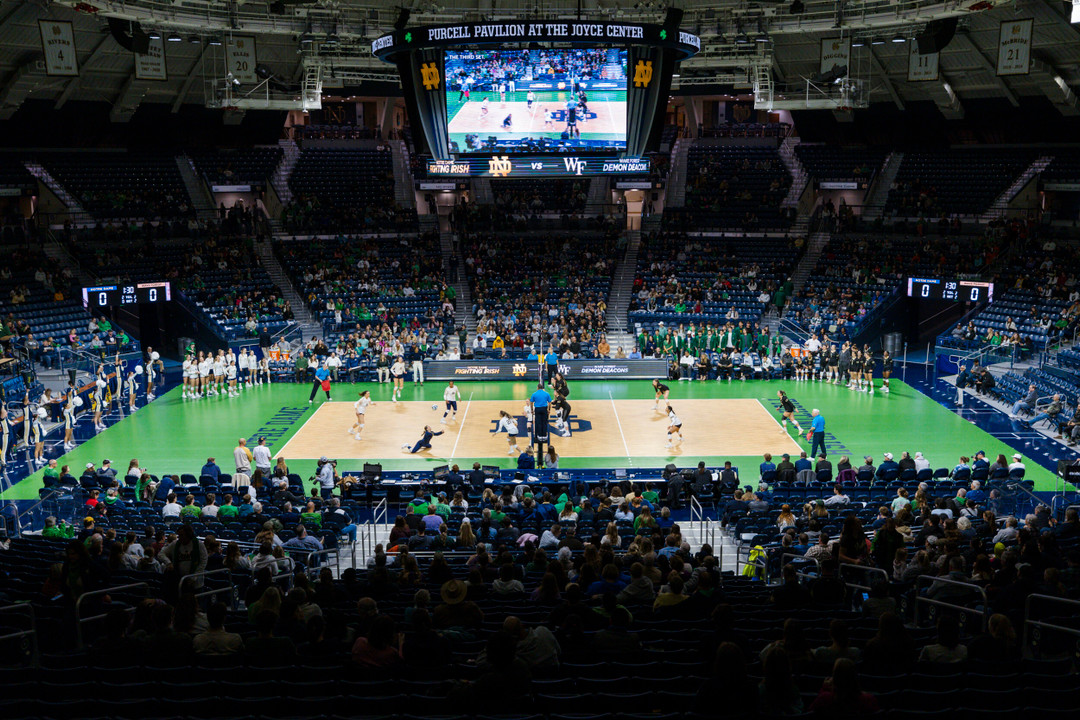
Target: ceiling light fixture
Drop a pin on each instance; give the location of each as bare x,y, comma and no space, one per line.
877,41
154,35
898,38
173,37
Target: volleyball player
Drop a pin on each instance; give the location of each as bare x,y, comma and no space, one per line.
230,377
886,371
868,369
219,373
529,100
832,363
549,119
360,406
857,364
262,370
787,411
558,384
424,442
562,414
662,391
527,412
397,374
205,365
191,376
508,121
674,427
450,395
244,366
508,424
484,108
571,119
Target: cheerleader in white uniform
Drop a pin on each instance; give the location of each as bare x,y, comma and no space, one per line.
36,416
97,397
132,387
361,406
118,369
5,434
153,365
70,403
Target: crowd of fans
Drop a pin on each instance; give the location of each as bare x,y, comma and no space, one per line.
307,214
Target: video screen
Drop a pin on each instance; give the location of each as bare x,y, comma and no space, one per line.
536,100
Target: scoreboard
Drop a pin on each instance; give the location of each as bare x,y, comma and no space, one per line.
952,290
101,296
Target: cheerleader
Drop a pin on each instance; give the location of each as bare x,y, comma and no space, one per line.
96,398
886,371
230,376
508,424
674,428
132,388
262,371
118,374
35,417
219,373
69,419
397,374
5,434
360,406
153,366
191,377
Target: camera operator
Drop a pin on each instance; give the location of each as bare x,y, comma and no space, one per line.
327,477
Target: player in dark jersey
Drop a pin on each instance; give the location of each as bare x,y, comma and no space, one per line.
571,121
662,391
561,414
886,371
868,370
832,362
845,364
787,411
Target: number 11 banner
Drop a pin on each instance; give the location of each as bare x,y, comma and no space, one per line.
921,66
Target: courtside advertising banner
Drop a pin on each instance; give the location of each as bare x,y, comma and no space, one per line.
525,370
1014,47
58,45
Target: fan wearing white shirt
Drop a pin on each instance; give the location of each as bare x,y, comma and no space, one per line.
172,508
921,463
451,395
261,455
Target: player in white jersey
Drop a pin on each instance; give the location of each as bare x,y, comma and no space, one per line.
397,374
204,375
549,119
360,406
484,108
219,373
230,376
262,371
132,387
191,377
450,395
674,428
508,424
244,367
527,411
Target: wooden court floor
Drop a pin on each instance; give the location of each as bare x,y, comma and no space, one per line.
597,428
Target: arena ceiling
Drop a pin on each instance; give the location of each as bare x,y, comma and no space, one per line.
337,35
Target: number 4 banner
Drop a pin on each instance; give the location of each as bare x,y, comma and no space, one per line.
58,44
240,58
921,67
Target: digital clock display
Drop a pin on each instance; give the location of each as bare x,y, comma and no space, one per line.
951,290
130,294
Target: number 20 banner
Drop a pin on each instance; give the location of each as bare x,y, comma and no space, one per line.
241,59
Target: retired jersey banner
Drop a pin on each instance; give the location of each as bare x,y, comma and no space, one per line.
151,65
1014,47
835,52
58,44
241,58
921,67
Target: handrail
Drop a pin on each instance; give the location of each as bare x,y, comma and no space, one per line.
93,593
919,598
1028,622
379,511
230,588
366,535
313,565
695,517
31,633
797,556
861,568
52,494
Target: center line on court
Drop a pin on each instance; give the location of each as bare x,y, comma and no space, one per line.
464,415
619,423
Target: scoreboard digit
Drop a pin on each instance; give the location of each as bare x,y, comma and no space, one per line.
101,296
950,290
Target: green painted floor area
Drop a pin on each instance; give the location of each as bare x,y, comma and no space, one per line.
172,435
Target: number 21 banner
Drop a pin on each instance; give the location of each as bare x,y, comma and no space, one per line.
1014,47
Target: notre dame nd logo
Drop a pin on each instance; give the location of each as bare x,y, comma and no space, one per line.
430,75
573,425
643,73
520,369
499,166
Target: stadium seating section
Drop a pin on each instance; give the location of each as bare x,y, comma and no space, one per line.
122,185
732,186
345,190
829,162
1065,167
246,166
677,274
536,197
961,182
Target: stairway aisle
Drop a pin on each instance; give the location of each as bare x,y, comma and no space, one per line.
874,204
675,195
309,326
803,270
619,333
196,188
279,180
78,213
799,176
1001,204
404,185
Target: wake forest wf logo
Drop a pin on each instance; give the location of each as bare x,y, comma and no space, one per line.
643,73
429,73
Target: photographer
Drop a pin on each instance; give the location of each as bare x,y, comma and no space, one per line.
327,477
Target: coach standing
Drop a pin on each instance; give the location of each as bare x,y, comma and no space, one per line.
322,380
817,431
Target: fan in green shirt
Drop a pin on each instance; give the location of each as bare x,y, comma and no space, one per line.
311,519
191,511
229,511
57,532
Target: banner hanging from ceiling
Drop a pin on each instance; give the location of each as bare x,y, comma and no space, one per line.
241,58
921,66
151,64
835,52
58,45
1014,47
